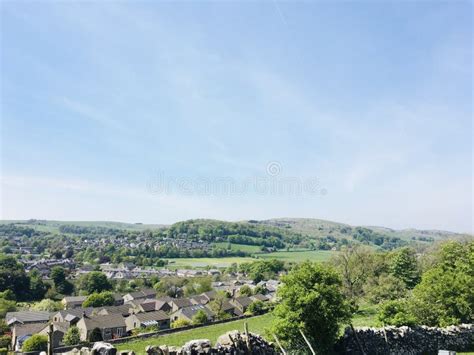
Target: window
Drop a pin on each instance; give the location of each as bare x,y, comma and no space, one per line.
119,332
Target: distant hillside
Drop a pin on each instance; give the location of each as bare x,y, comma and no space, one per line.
320,228
280,233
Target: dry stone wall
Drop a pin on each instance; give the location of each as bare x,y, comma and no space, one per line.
407,340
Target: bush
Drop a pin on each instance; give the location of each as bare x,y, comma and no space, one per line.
256,307
99,300
47,305
72,336
5,341
444,296
396,313
180,323
36,343
3,351
200,317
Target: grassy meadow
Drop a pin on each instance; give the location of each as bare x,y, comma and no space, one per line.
289,256
299,256
365,317
211,332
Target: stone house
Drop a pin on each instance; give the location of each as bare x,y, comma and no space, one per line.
142,320
71,302
187,313
110,326
241,303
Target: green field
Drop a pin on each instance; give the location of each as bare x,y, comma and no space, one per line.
203,262
299,256
241,247
212,332
365,317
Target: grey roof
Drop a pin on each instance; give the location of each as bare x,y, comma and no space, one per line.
152,316
259,297
104,321
149,292
148,306
28,329
210,294
27,317
74,299
243,301
182,302
75,312
124,309
190,312
200,299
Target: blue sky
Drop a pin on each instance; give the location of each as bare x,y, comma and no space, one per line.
373,100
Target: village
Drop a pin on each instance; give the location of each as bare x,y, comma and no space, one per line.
142,311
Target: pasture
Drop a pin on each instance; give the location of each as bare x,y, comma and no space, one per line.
211,332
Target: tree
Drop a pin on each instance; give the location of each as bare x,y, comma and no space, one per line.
13,277
217,305
37,287
444,296
311,300
256,307
397,313
245,290
354,265
95,282
63,286
5,341
47,305
99,300
384,288
179,323
72,336
405,267
200,317
36,343
6,306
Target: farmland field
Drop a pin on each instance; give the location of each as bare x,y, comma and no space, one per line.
212,332
299,256
203,262
241,247
256,325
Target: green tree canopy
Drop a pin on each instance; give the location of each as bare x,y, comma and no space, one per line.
245,290
404,266
200,317
36,343
445,295
47,305
94,282
99,300
311,301
63,286
14,278
72,336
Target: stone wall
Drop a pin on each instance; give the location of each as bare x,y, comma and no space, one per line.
406,340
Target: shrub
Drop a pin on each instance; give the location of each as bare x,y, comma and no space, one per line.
200,317
256,307
99,300
396,313
72,336
36,343
5,341
180,323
